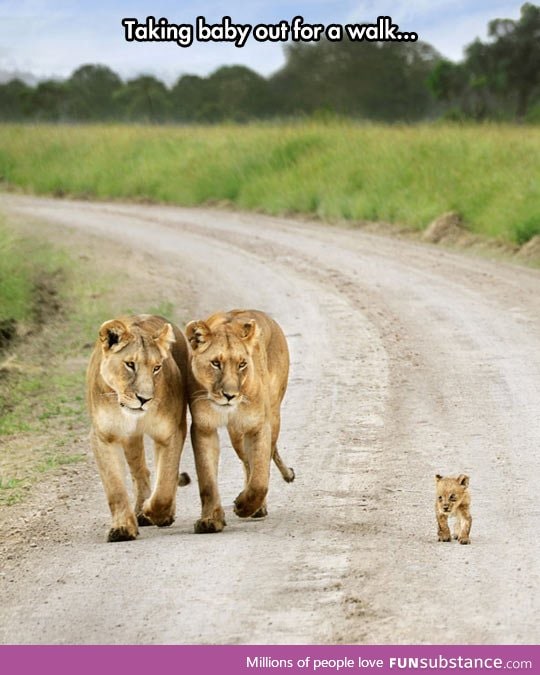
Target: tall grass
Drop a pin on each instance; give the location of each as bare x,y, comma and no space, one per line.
24,266
490,174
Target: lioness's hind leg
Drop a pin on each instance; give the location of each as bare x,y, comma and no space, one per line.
134,452
160,507
258,450
237,441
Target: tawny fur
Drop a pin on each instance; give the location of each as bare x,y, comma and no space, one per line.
239,367
136,384
453,500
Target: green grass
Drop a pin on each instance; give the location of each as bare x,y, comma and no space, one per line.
55,461
12,490
490,174
43,419
23,265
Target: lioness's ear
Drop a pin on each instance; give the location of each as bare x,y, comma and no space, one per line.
247,330
165,339
198,334
114,335
438,477
462,479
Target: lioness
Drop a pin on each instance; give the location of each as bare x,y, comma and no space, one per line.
453,499
238,377
135,386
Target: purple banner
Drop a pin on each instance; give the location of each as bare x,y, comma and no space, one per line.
237,660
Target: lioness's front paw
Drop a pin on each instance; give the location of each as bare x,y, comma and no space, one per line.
261,513
161,515
159,519
445,537
122,534
209,526
249,502
143,521
464,540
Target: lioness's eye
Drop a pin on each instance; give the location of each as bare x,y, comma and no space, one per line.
242,365
157,369
215,364
130,365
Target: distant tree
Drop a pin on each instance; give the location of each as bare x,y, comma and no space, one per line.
495,75
144,99
91,90
189,96
49,101
515,56
238,93
15,99
377,81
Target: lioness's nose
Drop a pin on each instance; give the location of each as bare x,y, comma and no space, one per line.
229,397
143,400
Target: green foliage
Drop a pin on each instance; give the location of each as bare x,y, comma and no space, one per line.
334,170
499,78
23,264
384,81
528,229
144,98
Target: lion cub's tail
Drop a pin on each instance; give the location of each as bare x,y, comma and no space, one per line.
184,479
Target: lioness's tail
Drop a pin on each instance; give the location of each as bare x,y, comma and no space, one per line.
184,479
286,471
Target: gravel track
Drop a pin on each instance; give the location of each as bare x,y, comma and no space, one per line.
407,360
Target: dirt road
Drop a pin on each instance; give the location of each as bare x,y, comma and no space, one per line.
406,361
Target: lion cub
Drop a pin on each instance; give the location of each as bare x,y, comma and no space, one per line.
453,499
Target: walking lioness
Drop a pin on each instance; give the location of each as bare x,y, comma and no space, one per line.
238,377
135,386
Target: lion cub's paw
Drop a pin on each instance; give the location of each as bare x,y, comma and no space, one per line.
445,537
464,540
122,534
209,526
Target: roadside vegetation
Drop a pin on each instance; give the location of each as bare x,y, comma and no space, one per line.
392,81
52,300
41,370
407,175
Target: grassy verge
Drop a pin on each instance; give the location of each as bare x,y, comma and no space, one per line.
41,400
490,174
53,301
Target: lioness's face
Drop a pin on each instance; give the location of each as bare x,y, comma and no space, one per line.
132,363
221,362
450,492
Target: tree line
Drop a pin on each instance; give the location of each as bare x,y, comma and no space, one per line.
386,82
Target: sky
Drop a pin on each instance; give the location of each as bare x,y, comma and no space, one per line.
51,39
